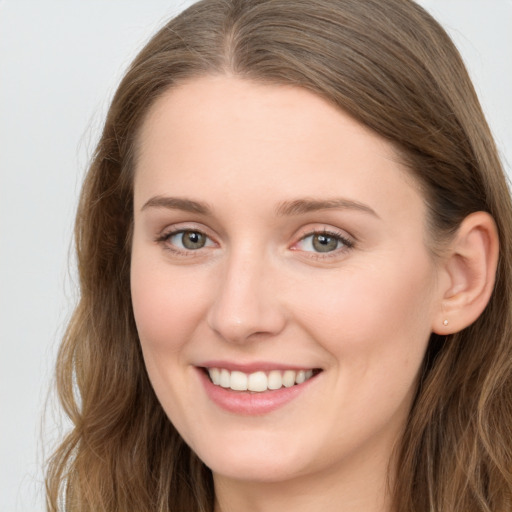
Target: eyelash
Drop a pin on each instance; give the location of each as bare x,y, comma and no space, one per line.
166,236
346,243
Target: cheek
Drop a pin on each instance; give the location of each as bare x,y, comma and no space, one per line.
167,306
372,311
167,310
375,325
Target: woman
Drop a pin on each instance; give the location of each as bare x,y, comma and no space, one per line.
293,245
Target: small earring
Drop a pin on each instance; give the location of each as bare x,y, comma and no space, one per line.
445,322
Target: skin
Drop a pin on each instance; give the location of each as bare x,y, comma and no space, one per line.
258,291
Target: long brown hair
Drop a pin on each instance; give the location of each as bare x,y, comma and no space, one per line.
392,67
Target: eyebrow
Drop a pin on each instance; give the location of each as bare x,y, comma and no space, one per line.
177,203
286,208
307,205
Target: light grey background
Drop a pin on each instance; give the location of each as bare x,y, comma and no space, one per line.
59,64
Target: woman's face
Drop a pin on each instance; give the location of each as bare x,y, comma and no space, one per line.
277,240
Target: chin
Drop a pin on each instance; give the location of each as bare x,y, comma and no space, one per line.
256,472
256,462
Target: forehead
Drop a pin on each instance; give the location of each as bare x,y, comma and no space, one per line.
227,103
259,140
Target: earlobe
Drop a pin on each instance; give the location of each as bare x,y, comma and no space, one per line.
470,271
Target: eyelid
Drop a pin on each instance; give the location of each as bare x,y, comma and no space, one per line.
347,241
165,234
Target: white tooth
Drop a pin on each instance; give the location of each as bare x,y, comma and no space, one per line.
257,382
288,378
309,374
301,377
225,378
275,381
214,375
238,381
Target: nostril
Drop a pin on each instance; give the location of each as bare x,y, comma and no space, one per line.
244,306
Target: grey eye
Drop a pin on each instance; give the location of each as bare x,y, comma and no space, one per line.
191,240
322,242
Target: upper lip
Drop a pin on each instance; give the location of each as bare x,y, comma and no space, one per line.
264,366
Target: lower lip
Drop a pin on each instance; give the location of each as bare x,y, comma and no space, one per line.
251,403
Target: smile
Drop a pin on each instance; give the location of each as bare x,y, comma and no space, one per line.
258,381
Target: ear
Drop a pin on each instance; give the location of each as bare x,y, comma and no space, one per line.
468,274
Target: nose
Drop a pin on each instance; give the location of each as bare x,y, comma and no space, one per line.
246,305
